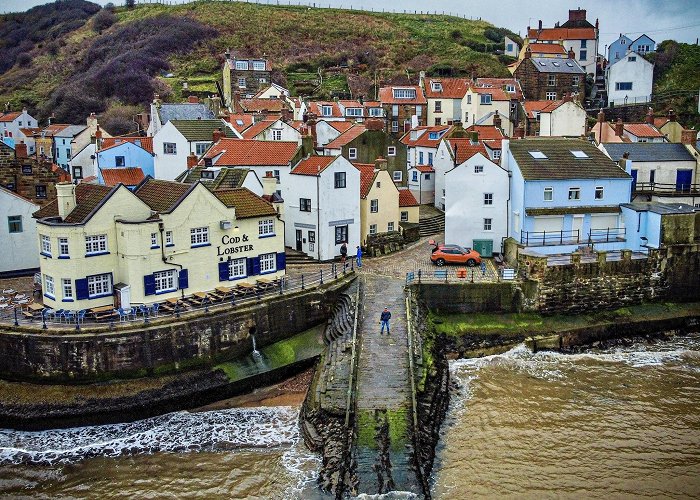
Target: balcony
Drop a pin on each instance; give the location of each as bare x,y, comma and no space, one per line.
668,189
573,237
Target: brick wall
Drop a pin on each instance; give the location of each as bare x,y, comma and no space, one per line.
23,175
535,84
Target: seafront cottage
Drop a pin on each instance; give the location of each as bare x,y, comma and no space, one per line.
109,246
125,152
379,200
450,153
17,234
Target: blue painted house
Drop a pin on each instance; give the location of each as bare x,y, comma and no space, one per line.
565,194
63,145
654,224
618,49
125,152
643,45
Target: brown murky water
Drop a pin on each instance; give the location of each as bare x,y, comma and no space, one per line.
620,423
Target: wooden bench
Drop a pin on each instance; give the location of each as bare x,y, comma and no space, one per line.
441,274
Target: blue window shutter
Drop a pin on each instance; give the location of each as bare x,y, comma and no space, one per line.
81,289
249,266
256,265
223,271
281,261
149,284
183,279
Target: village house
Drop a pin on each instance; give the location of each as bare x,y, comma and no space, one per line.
244,75
510,47
18,235
481,104
512,87
262,109
618,49
422,143
322,207
26,135
421,183
405,107
329,111
44,141
444,96
629,80
452,152
177,139
476,204
409,207
379,200
273,91
654,224
272,130
63,144
562,118
109,246
490,136
134,153
225,178
605,132
162,113
564,194
325,131
30,178
12,122
545,78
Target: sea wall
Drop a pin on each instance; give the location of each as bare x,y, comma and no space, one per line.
163,346
456,298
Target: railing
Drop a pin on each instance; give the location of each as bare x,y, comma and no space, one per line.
543,238
666,188
606,235
18,316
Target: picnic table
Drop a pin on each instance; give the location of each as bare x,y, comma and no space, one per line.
102,312
222,292
198,298
36,307
265,284
244,289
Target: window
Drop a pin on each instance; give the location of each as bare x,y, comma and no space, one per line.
575,81
326,110
169,238
581,155
277,134
552,80
372,229
551,96
169,148
374,206
438,106
262,80
488,198
469,98
599,192
27,169
427,177
266,227
438,121
77,172
397,175
341,234
41,192
390,226
391,151
496,154
404,216
375,112
67,287
395,110
574,193
583,43
67,153
353,112
241,83
63,247
14,223
510,88
154,240
583,55
49,288
242,65
45,245
414,176
268,263
485,98
258,65
95,244
404,93
509,47
237,268
119,161
165,280
200,148
487,224
548,194
394,126
420,158
305,204
623,86
478,169
632,58
352,153
199,236
339,180
207,174
430,159
99,285
435,86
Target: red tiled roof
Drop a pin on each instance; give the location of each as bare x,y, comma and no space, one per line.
406,198
465,149
502,82
257,128
547,48
426,169
341,126
642,130
486,132
30,132
452,88
297,125
129,176
246,121
143,142
540,106
62,175
659,121
497,94
424,139
349,135
367,175
315,107
273,105
54,129
246,152
313,165
350,103
386,95
8,117
554,34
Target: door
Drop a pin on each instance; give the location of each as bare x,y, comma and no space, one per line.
683,179
577,228
634,179
298,239
312,240
484,247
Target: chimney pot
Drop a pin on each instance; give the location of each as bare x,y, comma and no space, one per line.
191,161
601,116
650,116
619,127
21,150
217,135
65,195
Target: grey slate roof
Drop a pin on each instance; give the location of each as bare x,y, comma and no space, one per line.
648,151
556,65
561,163
189,111
661,208
71,131
201,130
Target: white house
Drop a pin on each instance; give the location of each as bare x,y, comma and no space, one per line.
564,118
476,205
452,152
422,143
421,183
272,130
630,80
480,104
322,207
18,236
82,165
510,47
444,97
327,131
162,113
12,122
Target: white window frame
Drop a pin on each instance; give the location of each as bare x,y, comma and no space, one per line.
154,240
397,175
574,194
45,244
258,66
67,288
63,248
551,96
485,99
268,263
551,80
168,238
549,190
326,110
95,244
404,216
242,65
241,83
166,281
372,229
394,126
599,192
488,199
488,224
276,134
237,268
201,147
391,151
169,148
266,227
390,226
199,236
510,88
478,169
374,206
496,154
376,112
99,285
353,111
352,153
404,93
49,286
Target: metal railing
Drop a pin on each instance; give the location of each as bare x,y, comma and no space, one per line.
573,237
666,188
137,315
606,235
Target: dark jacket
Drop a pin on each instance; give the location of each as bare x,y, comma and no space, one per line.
386,316
344,249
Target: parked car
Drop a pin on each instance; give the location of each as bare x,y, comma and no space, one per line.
454,254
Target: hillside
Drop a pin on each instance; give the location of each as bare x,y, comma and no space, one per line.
95,65
677,80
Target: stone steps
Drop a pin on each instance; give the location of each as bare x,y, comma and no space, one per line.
432,225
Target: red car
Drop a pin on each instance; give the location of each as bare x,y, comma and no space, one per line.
454,254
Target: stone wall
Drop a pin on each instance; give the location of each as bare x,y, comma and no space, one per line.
23,175
384,243
470,297
165,345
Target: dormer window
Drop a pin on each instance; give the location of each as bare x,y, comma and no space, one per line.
485,98
510,88
207,174
404,93
436,86
259,65
242,65
353,112
326,110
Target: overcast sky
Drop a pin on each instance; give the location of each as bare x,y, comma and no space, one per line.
661,20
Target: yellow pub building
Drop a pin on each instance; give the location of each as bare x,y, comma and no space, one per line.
109,246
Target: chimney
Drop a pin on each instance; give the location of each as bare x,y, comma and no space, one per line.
567,97
52,119
269,183
671,115
192,99
21,150
227,54
217,135
421,79
528,53
381,163
286,114
572,54
650,116
619,127
539,26
374,124
625,163
91,122
601,116
215,105
236,102
98,137
518,132
65,195
497,120
689,136
577,15
191,161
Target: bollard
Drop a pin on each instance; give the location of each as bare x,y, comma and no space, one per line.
302,281
321,271
77,323
345,267
43,319
16,321
206,306
472,275
352,264
233,299
177,310
281,284
419,273
145,317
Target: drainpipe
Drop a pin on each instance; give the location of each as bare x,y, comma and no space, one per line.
161,229
318,217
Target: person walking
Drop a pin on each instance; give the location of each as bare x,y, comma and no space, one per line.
358,256
343,253
385,317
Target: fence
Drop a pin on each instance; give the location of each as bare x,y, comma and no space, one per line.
680,188
573,237
487,273
206,302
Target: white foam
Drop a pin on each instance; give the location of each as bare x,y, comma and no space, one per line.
174,432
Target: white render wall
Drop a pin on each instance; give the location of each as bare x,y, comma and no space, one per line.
464,203
424,188
167,166
289,133
639,72
325,133
568,120
19,250
441,164
83,159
